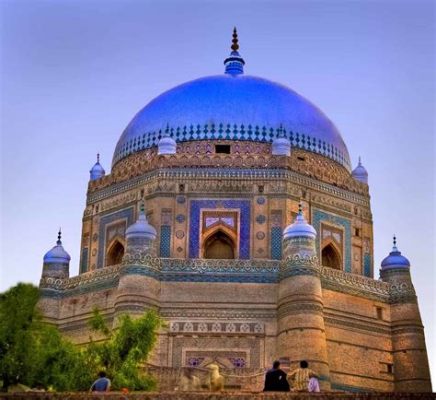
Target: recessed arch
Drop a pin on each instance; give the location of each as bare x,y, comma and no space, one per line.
330,257
115,253
219,245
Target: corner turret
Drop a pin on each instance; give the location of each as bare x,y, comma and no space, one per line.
97,171
56,261
300,293
360,173
411,370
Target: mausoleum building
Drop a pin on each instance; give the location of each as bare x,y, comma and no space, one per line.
232,209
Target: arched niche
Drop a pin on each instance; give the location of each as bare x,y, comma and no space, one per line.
330,257
115,253
219,245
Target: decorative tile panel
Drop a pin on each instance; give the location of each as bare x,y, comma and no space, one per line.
195,224
125,214
165,241
276,243
84,261
318,217
367,265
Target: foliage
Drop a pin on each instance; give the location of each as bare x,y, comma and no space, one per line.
125,349
34,353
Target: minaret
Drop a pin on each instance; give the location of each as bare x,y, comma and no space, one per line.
411,369
234,63
56,261
139,285
97,171
301,330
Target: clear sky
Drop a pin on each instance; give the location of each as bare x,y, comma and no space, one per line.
74,73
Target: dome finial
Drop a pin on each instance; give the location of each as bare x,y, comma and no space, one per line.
300,208
235,43
98,157
234,63
394,248
59,242
360,161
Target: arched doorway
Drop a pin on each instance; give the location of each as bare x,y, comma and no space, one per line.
115,254
219,246
330,257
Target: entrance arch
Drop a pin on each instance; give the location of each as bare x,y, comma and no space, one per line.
115,253
330,257
219,245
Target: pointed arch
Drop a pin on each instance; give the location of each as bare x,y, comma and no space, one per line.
219,245
330,257
115,253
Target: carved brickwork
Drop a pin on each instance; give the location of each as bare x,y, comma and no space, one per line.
200,154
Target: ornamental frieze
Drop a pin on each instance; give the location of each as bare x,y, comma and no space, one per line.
201,154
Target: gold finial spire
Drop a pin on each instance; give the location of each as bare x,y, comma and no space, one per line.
235,42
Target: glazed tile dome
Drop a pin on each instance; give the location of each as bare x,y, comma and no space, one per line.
233,106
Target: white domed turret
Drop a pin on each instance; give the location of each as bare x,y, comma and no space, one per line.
140,236
141,228
300,227
359,173
166,145
97,171
281,145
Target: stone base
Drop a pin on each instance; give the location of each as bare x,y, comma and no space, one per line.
219,396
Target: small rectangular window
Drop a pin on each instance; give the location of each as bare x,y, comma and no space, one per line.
222,148
379,311
356,232
181,187
260,188
386,368
301,158
390,368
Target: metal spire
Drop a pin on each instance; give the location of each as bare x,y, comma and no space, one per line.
234,63
235,44
98,158
59,242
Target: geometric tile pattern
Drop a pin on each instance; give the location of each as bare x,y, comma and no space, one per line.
276,243
194,218
319,216
367,265
165,241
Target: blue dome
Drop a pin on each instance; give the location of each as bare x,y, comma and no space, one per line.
97,171
234,107
395,259
57,255
360,173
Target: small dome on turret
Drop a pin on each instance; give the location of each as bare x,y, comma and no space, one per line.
141,228
300,228
57,254
166,145
97,171
395,259
281,145
360,173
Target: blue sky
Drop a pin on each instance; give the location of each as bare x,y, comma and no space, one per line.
74,73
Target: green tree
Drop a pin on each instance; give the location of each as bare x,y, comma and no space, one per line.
125,349
33,352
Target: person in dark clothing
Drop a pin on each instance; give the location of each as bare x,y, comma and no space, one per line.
275,379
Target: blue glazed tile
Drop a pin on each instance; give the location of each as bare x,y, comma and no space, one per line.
165,241
367,265
276,243
244,233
